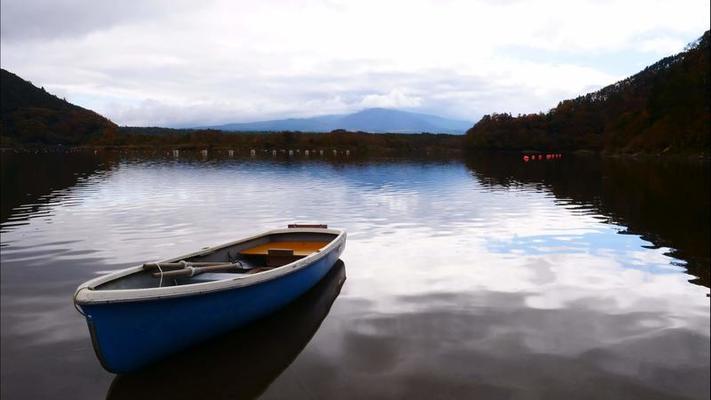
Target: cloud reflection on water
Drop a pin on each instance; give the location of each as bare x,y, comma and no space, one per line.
457,285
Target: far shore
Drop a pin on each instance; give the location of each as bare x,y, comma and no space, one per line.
337,150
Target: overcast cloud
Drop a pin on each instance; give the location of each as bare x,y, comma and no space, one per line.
183,63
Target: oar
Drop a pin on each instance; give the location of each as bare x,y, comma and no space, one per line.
180,265
192,271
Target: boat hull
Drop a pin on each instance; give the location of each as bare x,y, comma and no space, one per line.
129,335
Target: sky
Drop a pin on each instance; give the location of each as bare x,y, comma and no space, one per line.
180,63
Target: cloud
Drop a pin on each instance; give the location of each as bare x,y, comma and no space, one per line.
393,99
57,19
663,46
178,63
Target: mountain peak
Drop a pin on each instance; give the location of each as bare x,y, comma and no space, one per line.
376,120
379,110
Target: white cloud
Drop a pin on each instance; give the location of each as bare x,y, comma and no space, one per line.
394,99
663,46
221,61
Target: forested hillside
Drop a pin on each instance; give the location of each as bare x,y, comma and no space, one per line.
29,114
664,108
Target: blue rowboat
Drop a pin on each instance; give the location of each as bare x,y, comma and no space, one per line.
207,371
142,314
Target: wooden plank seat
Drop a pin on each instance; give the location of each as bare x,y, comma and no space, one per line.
302,249
281,253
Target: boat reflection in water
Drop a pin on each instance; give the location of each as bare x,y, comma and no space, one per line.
242,363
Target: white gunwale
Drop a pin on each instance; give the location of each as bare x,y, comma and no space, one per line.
85,293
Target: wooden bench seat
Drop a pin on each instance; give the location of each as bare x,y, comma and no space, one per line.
282,253
301,249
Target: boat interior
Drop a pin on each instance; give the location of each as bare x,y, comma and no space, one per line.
253,256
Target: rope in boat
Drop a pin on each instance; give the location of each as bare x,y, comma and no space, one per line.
76,306
160,283
189,266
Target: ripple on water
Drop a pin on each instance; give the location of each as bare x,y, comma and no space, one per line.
440,257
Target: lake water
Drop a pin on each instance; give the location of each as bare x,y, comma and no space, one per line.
489,277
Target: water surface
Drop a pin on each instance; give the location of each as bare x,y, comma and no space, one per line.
488,277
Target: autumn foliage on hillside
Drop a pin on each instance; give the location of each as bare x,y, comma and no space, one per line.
664,108
29,114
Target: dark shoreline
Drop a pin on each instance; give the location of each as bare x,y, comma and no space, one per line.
353,151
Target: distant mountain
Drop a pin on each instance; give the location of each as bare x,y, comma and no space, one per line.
377,120
664,108
29,114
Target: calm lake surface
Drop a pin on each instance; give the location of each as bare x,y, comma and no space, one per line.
483,278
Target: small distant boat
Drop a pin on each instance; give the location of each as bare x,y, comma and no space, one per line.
141,314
